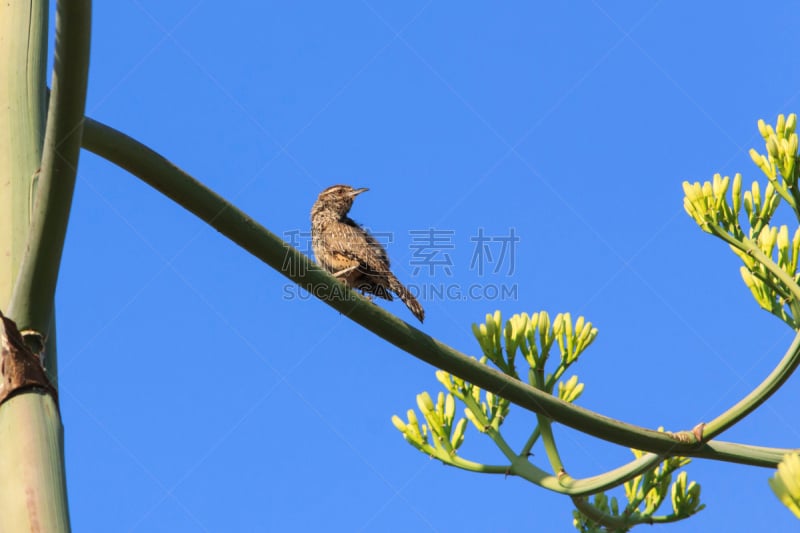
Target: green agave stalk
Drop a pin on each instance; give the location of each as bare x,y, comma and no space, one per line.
37,171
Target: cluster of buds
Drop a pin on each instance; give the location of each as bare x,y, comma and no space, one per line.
780,162
770,291
534,336
484,409
708,205
653,487
644,494
531,335
446,435
769,256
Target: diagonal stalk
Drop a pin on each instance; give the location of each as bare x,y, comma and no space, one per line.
165,177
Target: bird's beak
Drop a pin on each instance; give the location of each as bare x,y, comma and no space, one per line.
356,192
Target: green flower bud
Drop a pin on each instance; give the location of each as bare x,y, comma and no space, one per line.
772,147
398,423
545,334
475,392
689,191
784,145
748,204
490,398
424,402
720,185
764,129
780,126
510,337
708,193
458,434
440,403
558,324
795,250
614,506
486,329
692,211
767,238
736,193
783,237
791,123
477,332
757,288
450,407
756,189
570,390
412,418
579,324
569,334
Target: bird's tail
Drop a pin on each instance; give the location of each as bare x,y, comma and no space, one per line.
404,294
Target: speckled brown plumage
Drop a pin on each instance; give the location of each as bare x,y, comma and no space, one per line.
351,253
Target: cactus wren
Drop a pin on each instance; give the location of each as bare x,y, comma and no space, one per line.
351,253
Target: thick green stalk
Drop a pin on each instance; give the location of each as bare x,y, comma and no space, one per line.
23,56
562,483
785,367
34,290
32,482
30,444
549,442
33,492
162,175
612,478
472,466
546,429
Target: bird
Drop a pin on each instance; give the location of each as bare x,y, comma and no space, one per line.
349,252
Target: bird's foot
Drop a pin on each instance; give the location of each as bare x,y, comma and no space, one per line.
344,271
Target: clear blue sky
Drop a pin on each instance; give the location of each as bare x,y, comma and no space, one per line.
201,392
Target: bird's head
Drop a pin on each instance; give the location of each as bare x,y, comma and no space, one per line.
337,198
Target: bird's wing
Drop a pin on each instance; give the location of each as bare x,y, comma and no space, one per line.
378,249
356,243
